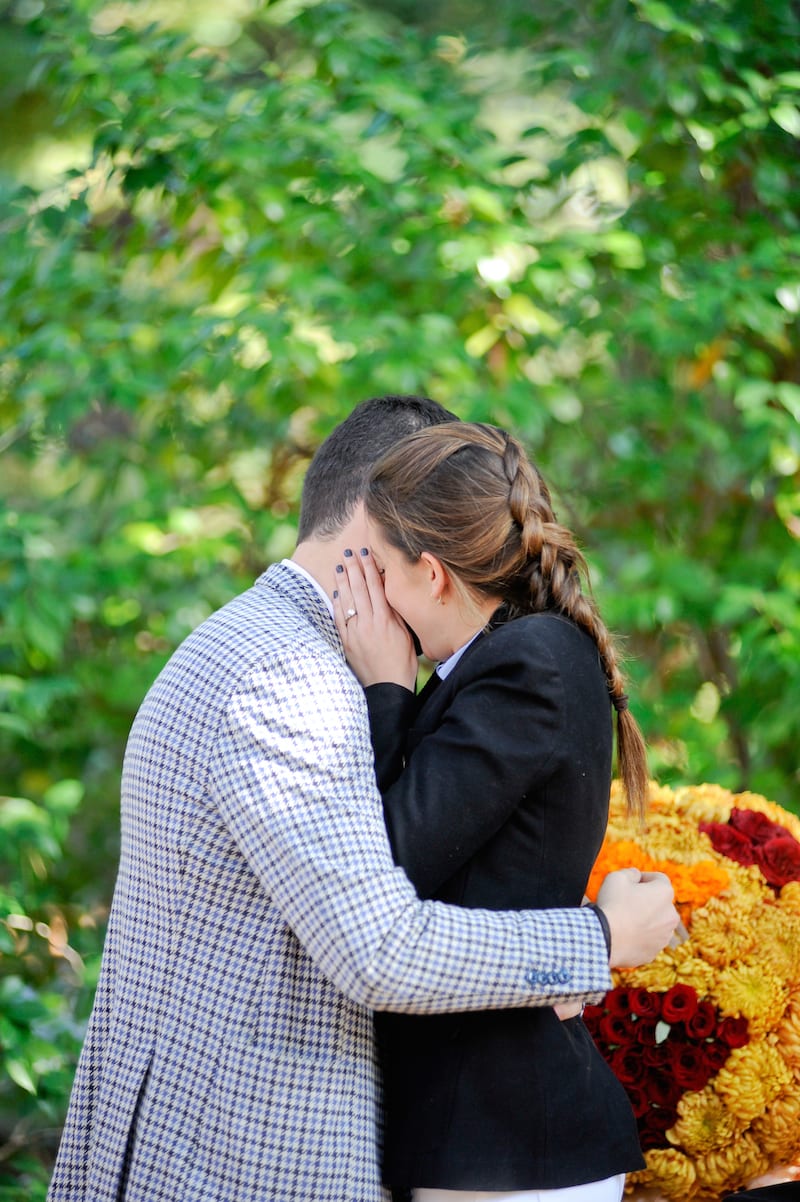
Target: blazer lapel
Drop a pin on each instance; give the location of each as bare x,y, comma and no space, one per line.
436,695
428,689
432,701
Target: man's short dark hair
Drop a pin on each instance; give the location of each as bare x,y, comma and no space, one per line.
337,475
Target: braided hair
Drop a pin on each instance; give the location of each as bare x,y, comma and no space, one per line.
468,494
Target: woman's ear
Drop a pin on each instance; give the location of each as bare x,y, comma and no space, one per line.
438,577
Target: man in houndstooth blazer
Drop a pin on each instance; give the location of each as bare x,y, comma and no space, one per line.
258,917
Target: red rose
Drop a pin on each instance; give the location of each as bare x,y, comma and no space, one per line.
637,1096
755,826
649,1138
679,1004
733,1032
664,1090
592,1015
652,1126
715,1056
644,1031
618,1002
644,1003
690,1067
703,1021
677,1034
655,1055
779,859
661,1118
628,1066
613,1029
729,842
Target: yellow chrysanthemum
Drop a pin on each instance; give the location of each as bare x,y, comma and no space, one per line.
719,930
698,973
747,990
669,836
750,885
670,1170
788,1035
728,1168
747,885
658,976
776,1129
790,896
776,932
704,1123
705,803
751,1078
660,797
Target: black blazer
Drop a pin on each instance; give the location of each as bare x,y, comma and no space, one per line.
496,784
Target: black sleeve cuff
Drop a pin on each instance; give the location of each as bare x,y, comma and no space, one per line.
604,924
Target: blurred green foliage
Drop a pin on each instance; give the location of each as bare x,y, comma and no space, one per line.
223,227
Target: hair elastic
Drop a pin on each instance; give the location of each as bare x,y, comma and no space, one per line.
620,703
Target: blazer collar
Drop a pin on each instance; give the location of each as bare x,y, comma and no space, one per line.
302,594
437,693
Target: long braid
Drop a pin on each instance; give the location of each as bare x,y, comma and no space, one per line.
553,568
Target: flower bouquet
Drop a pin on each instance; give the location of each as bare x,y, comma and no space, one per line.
706,1038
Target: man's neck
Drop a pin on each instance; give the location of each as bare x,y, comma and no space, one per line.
319,556
299,570
319,560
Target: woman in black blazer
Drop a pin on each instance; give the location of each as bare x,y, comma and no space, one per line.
495,782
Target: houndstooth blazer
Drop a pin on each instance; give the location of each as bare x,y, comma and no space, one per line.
257,919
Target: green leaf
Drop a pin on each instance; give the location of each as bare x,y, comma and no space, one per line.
64,797
20,1003
26,825
789,396
20,1073
788,117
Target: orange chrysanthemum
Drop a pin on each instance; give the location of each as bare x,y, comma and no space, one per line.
694,884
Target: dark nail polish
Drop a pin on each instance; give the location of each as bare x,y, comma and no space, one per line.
335,593
364,551
348,553
339,568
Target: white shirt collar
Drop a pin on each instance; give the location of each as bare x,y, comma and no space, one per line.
444,669
295,567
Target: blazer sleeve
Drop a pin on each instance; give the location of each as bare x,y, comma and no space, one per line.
391,711
495,741
292,776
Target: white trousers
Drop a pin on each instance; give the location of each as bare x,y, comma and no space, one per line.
609,1190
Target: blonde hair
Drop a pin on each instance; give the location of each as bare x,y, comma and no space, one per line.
468,494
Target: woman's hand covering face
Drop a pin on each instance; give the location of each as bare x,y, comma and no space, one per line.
377,642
